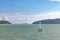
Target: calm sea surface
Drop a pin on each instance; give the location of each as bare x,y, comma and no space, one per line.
29,32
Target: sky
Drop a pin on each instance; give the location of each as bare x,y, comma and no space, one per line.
28,11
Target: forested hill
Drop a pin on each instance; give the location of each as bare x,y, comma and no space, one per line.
4,22
48,21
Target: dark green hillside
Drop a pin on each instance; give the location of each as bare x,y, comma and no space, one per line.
4,22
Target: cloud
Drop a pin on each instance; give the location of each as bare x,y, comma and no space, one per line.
49,15
6,17
0,18
39,16
19,18
56,0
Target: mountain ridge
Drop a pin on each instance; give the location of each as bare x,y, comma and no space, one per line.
48,21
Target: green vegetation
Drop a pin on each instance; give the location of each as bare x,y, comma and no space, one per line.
48,21
4,22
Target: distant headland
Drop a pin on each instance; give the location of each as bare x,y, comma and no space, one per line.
48,21
4,22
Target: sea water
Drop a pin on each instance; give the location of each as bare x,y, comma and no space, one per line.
29,32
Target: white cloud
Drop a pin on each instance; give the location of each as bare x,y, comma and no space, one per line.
6,17
49,15
30,18
0,18
35,17
56,0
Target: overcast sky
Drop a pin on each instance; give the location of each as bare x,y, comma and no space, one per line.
28,11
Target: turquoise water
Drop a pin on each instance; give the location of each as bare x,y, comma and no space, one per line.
29,32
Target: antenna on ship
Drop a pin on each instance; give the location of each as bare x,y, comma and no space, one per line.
39,27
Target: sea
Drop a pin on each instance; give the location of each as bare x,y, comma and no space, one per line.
29,32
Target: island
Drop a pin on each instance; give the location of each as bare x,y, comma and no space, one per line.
4,22
48,21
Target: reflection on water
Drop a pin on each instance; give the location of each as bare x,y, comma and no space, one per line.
29,32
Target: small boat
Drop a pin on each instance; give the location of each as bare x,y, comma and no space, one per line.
39,27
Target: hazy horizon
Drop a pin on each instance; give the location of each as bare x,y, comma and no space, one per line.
28,11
